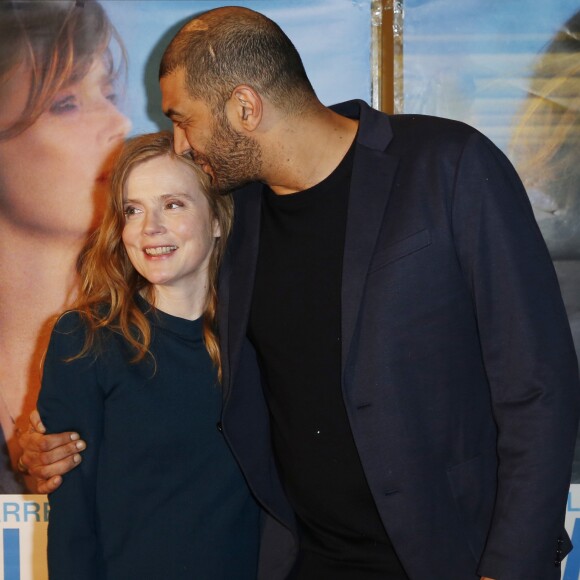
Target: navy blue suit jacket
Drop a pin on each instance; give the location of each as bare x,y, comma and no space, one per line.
459,374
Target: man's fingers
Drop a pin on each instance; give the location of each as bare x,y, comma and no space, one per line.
53,454
36,442
55,460
51,469
48,457
49,485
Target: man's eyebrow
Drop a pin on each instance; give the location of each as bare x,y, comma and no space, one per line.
171,113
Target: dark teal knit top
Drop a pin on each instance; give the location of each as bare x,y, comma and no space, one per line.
158,494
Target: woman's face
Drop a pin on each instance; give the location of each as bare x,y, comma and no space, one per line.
54,175
169,232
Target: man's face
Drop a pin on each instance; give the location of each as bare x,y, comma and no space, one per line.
230,157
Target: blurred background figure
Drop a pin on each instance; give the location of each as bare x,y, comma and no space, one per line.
545,144
545,149
59,129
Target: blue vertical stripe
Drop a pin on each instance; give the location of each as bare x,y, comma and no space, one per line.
572,570
11,542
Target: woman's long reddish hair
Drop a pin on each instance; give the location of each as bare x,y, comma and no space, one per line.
110,283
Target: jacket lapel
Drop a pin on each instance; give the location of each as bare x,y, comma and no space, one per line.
237,278
372,178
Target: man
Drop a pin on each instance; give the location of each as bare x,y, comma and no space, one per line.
396,354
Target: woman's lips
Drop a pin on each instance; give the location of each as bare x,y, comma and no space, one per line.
160,250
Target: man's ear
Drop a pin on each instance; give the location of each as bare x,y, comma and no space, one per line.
244,108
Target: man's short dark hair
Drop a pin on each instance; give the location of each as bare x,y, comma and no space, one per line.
229,46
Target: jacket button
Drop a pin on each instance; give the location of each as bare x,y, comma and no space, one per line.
219,427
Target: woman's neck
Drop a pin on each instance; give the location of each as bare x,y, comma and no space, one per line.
188,303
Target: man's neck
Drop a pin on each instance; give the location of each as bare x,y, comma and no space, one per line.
309,148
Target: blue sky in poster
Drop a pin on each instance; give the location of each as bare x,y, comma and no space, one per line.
332,36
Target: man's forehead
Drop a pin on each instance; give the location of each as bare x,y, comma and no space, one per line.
177,103
171,86
174,79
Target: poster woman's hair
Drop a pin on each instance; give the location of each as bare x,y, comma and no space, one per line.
546,141
55,42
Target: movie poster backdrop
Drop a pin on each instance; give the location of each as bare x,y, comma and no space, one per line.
510,69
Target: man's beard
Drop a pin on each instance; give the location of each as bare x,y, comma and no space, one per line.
235,159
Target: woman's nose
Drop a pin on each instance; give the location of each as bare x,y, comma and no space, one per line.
153,224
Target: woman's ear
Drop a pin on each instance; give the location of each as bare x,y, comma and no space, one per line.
217,231
244,108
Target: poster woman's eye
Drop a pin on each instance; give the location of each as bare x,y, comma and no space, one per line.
64,105
113,97
110,92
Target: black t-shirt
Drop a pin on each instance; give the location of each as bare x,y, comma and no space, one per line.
295,326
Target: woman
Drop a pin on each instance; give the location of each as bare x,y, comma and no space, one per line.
135,368
58,127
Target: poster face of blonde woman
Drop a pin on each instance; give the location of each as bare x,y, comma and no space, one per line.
59,127
54,174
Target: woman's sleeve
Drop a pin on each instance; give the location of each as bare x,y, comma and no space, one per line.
71,399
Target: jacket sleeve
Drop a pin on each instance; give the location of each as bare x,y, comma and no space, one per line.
71,399
529,359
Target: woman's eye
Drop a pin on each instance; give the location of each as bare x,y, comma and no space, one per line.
173,204
64,105
130,211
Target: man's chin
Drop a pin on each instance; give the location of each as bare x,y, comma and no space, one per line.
223,181
231,186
